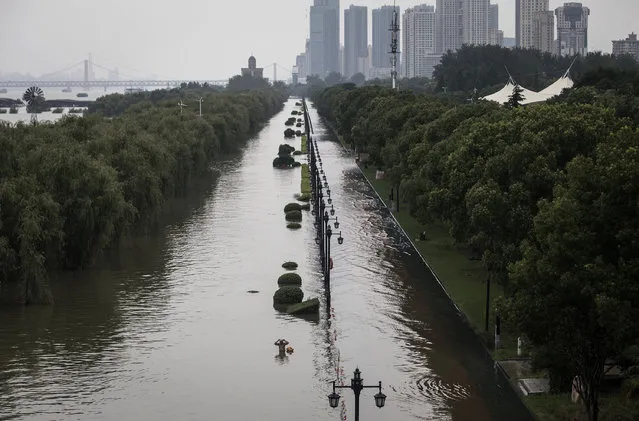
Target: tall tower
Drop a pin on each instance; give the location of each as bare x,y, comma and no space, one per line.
324,37
394,51
86,74
418,39
543,31
525,12
448,34
475,22
572,29
355,40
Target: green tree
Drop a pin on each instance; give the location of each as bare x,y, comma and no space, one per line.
516,98
576,283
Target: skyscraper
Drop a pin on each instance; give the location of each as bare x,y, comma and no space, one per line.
543,32
475,22
382,19
300,63
572,29
418,39
495,36
355,40
324,38
525,11
448,34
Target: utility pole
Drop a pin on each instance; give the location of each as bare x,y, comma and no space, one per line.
200,101
394,28
182,105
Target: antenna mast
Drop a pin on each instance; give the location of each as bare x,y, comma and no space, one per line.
394,28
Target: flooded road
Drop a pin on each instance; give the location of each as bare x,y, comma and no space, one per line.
164,329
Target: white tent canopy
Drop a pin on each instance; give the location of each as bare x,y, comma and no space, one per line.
531,97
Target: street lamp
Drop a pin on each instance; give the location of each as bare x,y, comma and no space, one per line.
357,386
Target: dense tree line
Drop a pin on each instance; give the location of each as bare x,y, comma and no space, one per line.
484,68
546,194
69,190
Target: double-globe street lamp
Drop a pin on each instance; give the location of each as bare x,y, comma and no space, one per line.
357,385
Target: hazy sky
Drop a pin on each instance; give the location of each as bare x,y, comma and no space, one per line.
204,39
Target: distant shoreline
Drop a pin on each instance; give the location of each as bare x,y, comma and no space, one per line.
63,103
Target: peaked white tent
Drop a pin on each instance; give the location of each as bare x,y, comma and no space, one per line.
532,97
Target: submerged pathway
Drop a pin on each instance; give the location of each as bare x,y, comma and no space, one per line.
165,329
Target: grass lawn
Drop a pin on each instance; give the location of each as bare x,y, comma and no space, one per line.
560,408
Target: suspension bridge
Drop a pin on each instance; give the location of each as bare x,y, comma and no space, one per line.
116,79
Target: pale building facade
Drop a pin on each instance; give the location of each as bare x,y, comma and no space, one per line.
418,42
355,41
448,17
525,11
324,37
475,22
543,33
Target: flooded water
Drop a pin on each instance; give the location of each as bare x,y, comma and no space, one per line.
51,94
164,329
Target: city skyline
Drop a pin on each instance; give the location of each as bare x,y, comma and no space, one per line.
192,48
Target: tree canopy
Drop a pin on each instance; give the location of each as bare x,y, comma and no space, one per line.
71,189
545,194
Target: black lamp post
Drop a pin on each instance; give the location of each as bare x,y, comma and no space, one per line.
357,386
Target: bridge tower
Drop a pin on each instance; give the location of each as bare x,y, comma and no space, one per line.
274,72
86,74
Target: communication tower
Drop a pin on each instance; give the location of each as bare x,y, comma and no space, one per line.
394,28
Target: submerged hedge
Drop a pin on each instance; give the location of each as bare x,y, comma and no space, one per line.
289,278
293,216
71,189
288,295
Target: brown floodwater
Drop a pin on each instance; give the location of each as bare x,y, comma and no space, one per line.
164,328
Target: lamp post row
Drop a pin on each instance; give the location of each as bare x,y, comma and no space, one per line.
323,217
321,195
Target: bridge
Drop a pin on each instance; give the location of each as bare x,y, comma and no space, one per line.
53,80
104,83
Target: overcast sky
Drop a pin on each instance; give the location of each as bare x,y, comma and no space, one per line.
204,39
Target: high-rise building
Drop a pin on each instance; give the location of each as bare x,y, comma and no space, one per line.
324,38
495,36
448,34
543,32
418,40
628,46
524,12
475,22
300,63
382,19
355,40
572,29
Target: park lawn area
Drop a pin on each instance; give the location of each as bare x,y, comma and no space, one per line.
559,408
464,279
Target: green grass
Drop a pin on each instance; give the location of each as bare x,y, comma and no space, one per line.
560,408
464,279
304,146
306,180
